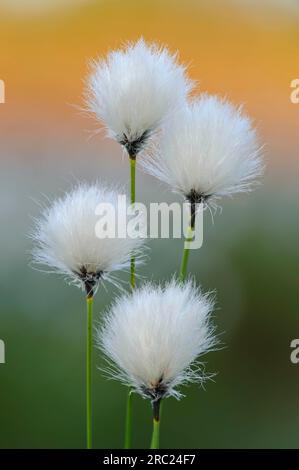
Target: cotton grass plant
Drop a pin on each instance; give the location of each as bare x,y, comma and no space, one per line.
153,339
208,149
204,148
132,91
66,242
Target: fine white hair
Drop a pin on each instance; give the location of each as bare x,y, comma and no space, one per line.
133,89
208,149
67,242
153,338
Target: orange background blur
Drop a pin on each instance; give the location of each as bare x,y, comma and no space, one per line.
242,50
247,50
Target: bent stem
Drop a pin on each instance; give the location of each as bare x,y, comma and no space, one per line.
89,302
188,240
155,442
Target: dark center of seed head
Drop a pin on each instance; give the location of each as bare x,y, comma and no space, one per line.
156,391
90,280
133,147
195,197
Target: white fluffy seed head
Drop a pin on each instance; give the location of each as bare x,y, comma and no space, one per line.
133,89
208,149
153,338
66,240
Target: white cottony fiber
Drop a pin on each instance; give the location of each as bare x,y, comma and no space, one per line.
66,239
208,147
133,89
153,337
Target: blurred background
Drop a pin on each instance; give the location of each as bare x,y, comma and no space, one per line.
245,50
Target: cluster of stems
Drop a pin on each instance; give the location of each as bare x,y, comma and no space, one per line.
89,309
156,404
89,304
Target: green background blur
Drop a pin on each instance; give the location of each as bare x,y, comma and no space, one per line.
249,256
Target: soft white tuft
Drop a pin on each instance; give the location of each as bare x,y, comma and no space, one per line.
66,239
208,148
153,337
133,89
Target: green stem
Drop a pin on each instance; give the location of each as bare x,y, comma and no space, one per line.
187,241
186,252
128,433
156,435
155,442
89,301
133,200
128,423
133,178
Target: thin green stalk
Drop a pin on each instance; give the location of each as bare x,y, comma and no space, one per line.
188,240
128,423
128,433
89,302
155,442
133,178
133,200
186,252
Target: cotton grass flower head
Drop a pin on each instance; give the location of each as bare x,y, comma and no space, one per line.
133,89
153,338
66,239
208,149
